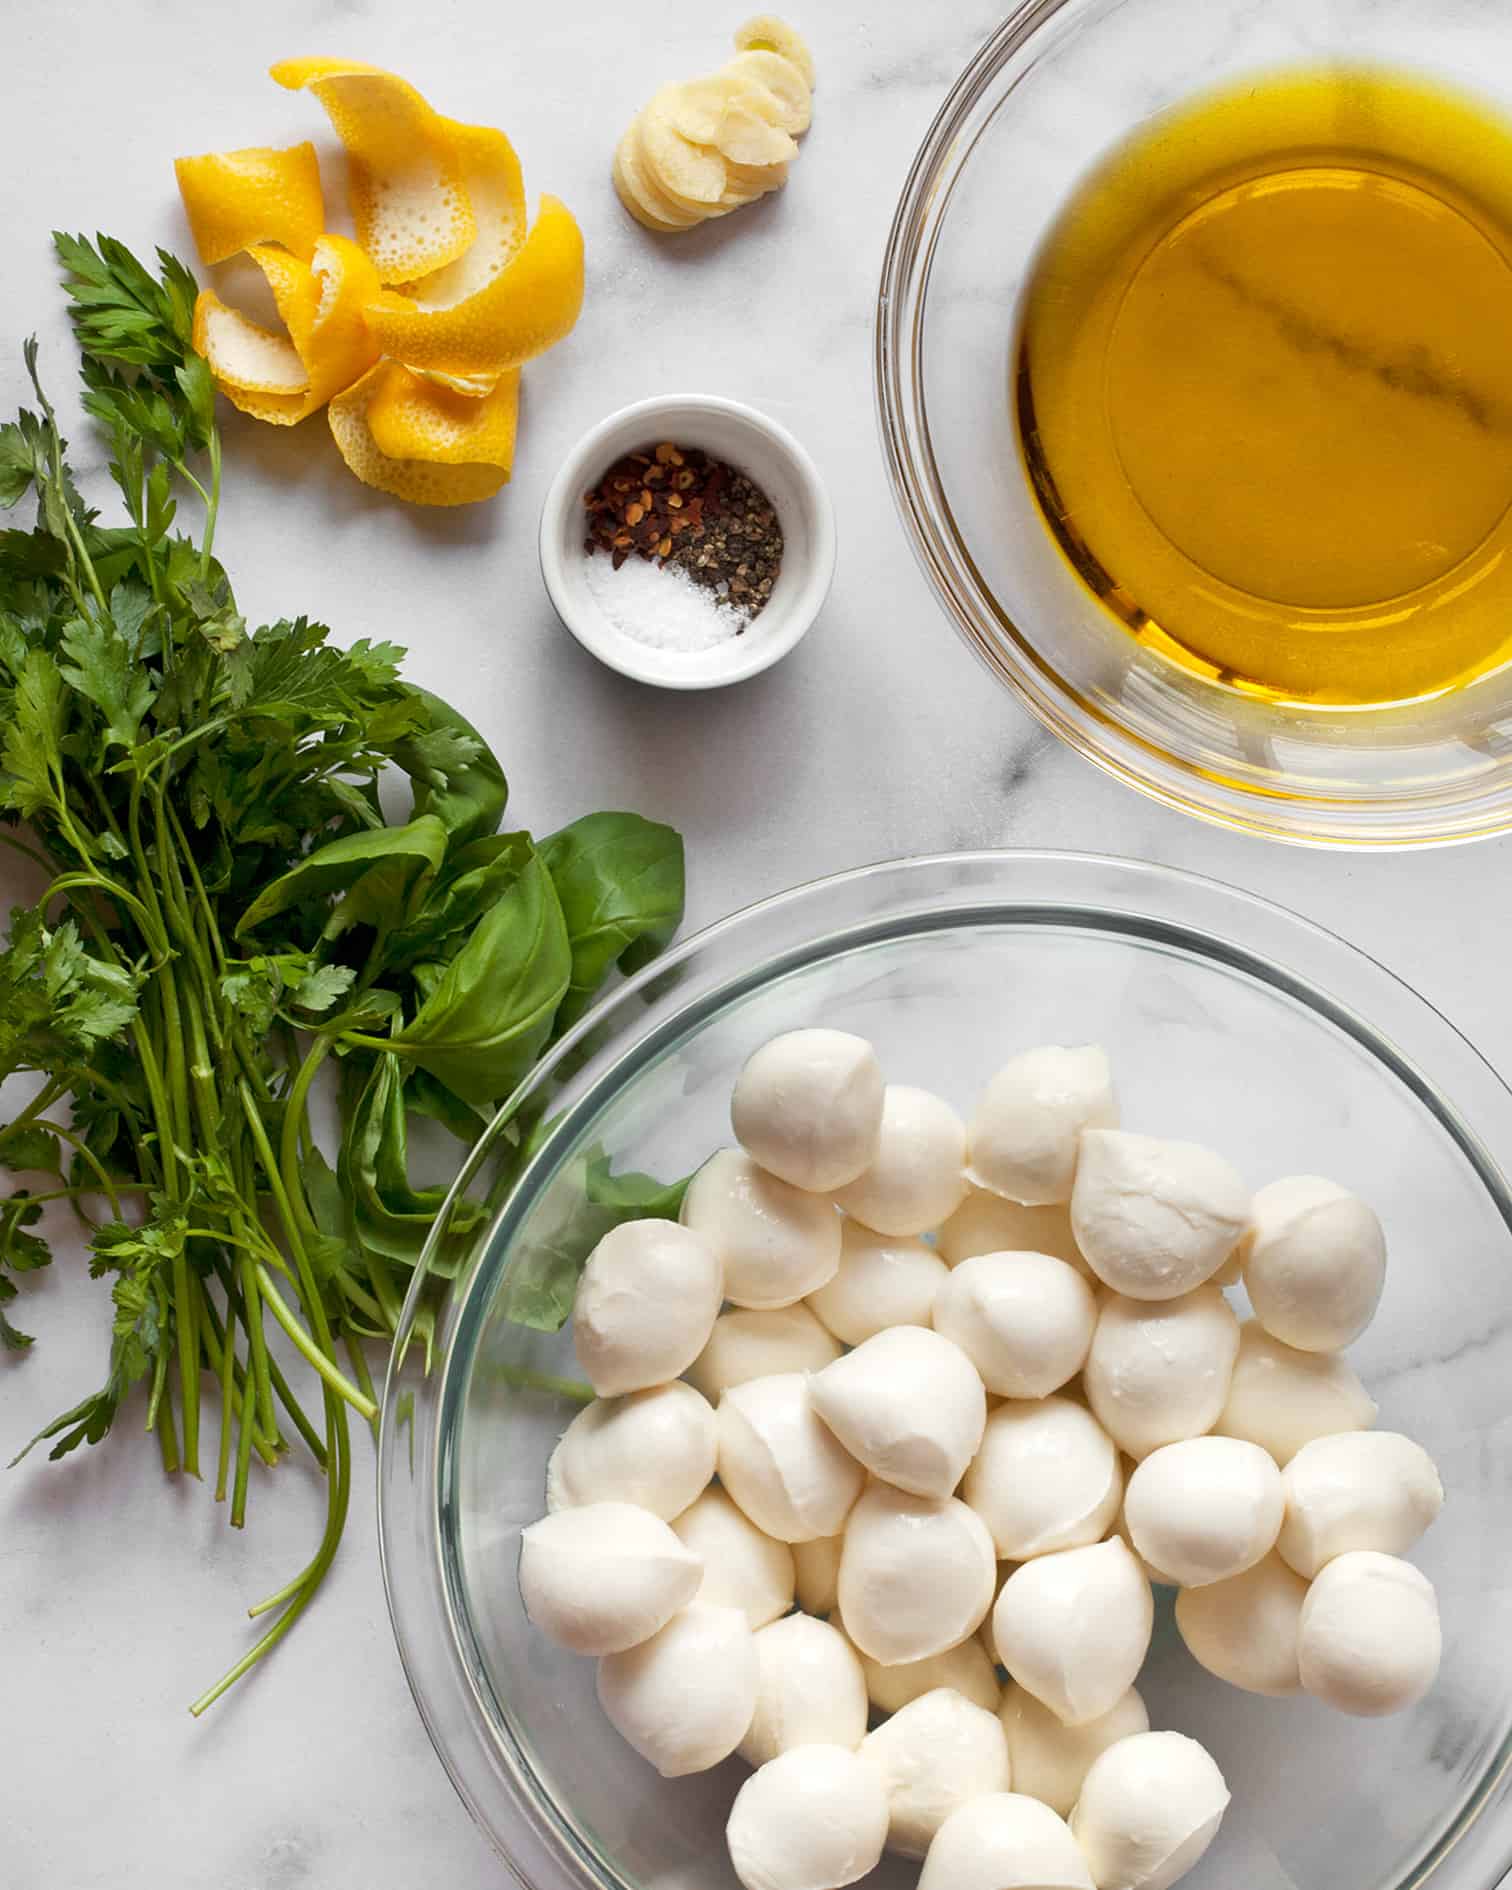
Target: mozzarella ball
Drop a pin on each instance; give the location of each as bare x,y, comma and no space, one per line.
968,1669
1159,1371
817,1566
1005,1841
1023,1142
1074,1628
1156,1576
936,1755
776,1243
882,1281
1314,1263
1155,1219
780,1464
1045,1478
645,1306
1205,1509
986,1223
907,1404
916,1178
684,1698
916,1575
1359,1490
808,1107
1149,1807
746,1345
1280,1398
605,1577
1370,1639
655,1448
813,1819
1048,1760
1245,1630
1024,1320
742,1567
809,1690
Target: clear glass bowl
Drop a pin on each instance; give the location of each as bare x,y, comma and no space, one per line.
1058,84
1228,1020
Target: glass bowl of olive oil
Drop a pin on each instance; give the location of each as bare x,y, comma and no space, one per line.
1194,361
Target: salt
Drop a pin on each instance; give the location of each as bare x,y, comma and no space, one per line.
660,605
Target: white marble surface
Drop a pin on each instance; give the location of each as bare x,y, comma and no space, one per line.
879,737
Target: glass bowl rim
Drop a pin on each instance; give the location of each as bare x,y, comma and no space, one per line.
553,1834
999,643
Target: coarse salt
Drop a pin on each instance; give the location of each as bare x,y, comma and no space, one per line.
661,606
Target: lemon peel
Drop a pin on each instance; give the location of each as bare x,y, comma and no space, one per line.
409,203
243,356
527,307
234,199
495,187
421,482
322,305
410,417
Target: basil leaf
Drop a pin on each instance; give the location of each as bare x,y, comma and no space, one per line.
621,884
401,860
468,796
487,1017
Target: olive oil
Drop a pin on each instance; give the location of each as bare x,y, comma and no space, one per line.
1263,375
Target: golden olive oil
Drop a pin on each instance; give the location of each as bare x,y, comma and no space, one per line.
1263,376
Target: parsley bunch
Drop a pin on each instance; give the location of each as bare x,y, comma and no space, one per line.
229,914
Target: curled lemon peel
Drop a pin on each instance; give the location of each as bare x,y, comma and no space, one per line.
234,199
412,336
495,187
528,306
421,482
410,417
409,203
244,357
322,304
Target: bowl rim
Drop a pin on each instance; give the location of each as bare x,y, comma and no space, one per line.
612,646
546,1849
1444,817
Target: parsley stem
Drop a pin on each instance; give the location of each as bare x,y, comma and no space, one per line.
364,1377
228,1407
167,1434
88,1157
341,1487
332,1374
257,1345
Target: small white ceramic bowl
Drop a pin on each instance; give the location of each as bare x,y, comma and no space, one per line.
768,454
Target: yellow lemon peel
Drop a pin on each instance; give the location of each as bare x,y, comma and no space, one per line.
234,199
242,355
410,417
421,482
528,306
495,187
322,305
409,203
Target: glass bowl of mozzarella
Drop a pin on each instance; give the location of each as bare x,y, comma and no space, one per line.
990,1372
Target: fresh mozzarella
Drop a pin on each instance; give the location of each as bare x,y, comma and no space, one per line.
645,1306
1155,1219
808,1107
908,1405
775,1243
604,1577
655,1448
